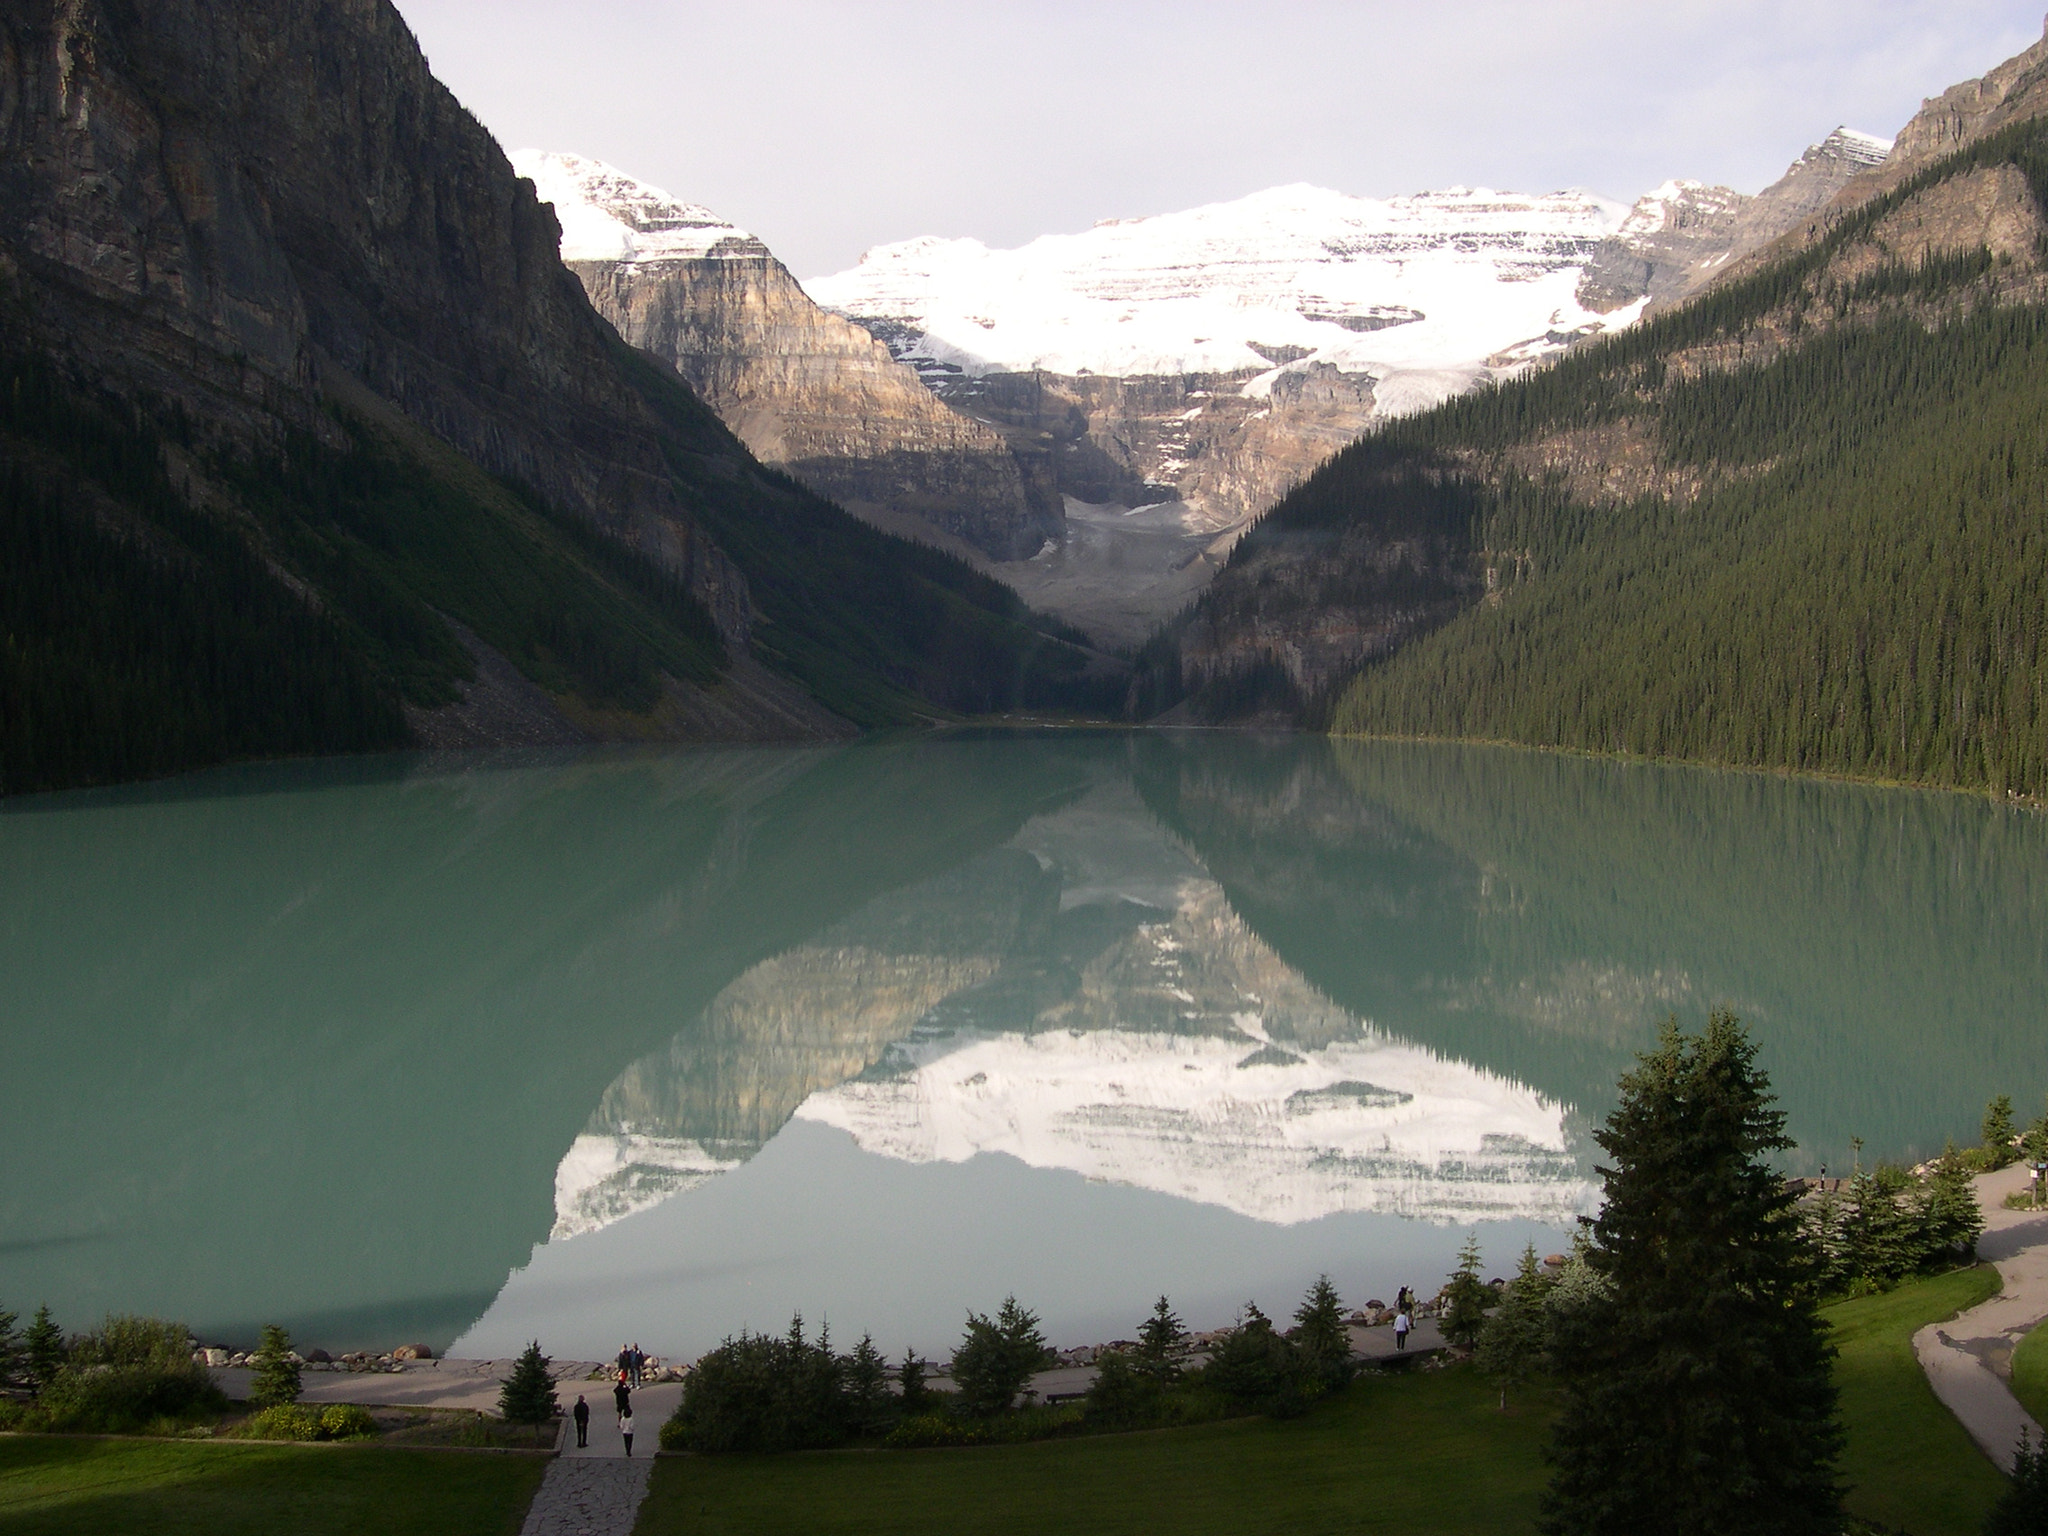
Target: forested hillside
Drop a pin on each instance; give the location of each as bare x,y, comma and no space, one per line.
1801,522
309,443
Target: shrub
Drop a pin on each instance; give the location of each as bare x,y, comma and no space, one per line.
1254,1367
283,1421
132,1371
756,1393
346,1421
1124,1394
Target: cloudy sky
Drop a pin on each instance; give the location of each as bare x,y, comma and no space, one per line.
827,126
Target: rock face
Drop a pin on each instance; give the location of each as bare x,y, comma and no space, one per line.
806,390
1685,234
220,203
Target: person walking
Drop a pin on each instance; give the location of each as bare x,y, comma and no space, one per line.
581,1414
1402,1324
639,1363
625,1361
622,1396
626,1429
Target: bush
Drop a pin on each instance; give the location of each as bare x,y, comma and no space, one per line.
933,1430
1124,1394
346,1421
1254,1367
133,1371
283,1421
1890,1225
756,1393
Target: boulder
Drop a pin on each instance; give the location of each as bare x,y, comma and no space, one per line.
412,1352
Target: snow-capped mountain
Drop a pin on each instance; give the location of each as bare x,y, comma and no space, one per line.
1434,289
608,216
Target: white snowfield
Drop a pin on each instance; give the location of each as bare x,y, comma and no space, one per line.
1373,1125
1445,285
608,216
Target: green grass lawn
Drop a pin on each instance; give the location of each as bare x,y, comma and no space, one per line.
1415,1454
2030,1373
1909,1463
1422,1455
56,1485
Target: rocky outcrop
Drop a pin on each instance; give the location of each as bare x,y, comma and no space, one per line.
806,390
1685,234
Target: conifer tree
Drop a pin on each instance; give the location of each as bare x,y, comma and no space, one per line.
528,1395
1516,1339
1998,1131
276,1378
1160,1338
995,1360
1320,1334
911,1376
1467,1298
43,1350
2022,1509
1698,1388
10,1348
865,1378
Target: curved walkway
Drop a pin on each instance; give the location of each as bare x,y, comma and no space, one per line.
1968,1359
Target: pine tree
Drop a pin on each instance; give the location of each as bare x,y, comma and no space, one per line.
528,1395
1467,1298
10,1349
1320,1334
43,1349
1160,1338
996,1359
865,1378
1516,1340
911,1375
276,1378
1698,1390
2022,1509
1997,1132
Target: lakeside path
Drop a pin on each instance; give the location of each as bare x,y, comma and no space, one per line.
1968,1359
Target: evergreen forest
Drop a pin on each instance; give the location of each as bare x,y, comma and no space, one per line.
1834,558
303,595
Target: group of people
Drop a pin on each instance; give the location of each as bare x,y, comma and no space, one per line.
632,1364
632,1368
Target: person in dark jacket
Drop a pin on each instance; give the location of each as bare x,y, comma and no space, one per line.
581,1414
623,1396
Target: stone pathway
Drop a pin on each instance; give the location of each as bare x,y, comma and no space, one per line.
589,1495
1968,1359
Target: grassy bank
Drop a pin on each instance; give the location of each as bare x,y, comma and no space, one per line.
2030,1374
1909,1463
1423,1455
57,1486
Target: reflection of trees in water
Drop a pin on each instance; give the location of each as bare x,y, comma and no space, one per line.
1538,913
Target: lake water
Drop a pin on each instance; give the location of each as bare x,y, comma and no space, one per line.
663,1045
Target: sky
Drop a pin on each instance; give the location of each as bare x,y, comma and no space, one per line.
828,126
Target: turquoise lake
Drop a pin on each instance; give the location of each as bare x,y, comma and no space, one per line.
660,1045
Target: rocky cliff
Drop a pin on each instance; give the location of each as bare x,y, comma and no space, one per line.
1685,234
806,390
315,445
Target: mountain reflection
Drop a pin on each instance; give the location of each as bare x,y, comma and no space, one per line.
1086,999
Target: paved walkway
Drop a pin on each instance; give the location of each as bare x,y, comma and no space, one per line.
1968,1360
589,1496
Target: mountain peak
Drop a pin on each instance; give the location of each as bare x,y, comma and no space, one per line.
606,215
